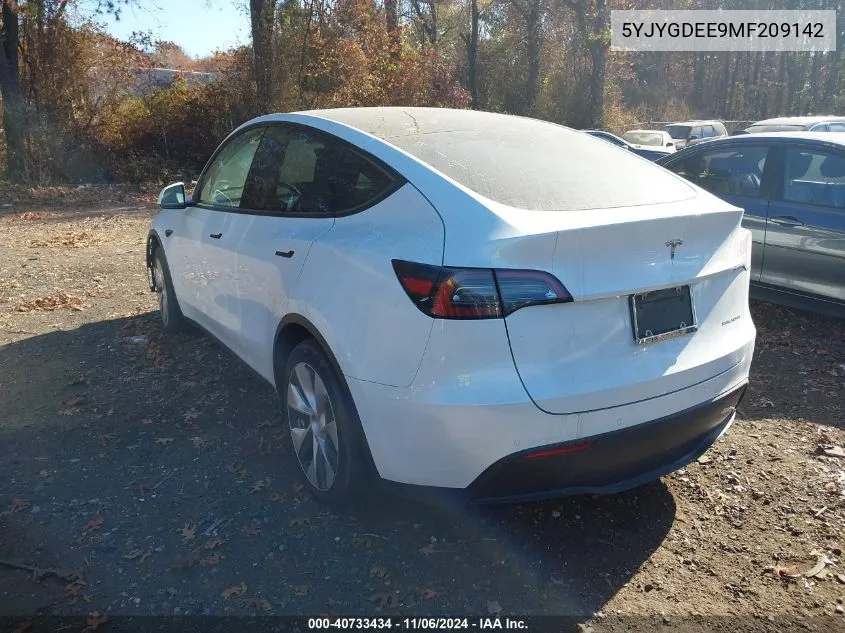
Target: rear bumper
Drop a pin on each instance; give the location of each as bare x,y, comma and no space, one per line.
610,462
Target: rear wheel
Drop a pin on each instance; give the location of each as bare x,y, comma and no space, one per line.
171,315
323,423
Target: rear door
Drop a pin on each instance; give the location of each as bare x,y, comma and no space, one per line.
805,233
739,176
300,181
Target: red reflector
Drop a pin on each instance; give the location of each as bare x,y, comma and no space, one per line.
570,448
421,287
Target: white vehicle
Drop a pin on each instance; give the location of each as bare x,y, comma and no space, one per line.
650,138
483,304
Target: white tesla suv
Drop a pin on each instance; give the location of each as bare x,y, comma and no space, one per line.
493,306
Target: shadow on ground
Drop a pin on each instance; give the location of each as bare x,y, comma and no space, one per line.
158,468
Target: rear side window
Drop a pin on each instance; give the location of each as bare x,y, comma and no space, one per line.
837,127
814,177
707,131
300,171
736,171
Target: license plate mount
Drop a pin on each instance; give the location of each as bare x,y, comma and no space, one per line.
663,314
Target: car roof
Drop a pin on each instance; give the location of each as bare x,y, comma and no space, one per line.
800,120
648,131
397,122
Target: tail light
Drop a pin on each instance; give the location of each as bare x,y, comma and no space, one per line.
443,292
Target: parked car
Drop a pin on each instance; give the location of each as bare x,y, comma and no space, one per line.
464,301
691,132
792,187
799,124
650,138
651,153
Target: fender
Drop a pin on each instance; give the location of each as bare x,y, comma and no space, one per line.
153,238
297,319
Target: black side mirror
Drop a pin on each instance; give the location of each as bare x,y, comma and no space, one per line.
173,196
692,138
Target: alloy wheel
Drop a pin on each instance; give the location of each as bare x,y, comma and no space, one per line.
313,427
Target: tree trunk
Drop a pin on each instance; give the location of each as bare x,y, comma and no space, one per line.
533,19
14,111
262,16
593,20
472,55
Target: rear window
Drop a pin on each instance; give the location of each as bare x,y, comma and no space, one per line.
775,128
644,138
678,131
528,164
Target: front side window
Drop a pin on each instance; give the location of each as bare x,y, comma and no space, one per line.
837,127
299,171
223,185
814,177
735,172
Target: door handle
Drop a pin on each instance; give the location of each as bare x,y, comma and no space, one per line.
216,236
287,254
787,220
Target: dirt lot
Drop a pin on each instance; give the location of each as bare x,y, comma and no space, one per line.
150,475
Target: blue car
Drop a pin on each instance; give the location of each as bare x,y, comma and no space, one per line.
792,188
651,153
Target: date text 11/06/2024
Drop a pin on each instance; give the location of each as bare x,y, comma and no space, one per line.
429,624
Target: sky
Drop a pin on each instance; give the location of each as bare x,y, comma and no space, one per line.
199,26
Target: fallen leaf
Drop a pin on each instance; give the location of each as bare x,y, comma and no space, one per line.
277,497
428,594
237,590
816,569
834,451
95,620
253,529
264,424
364,541
428,549
786,572
190,414
44,473
830,486
211,559
705,459
139,554
493,607
163,440
301,590
189,532
93,524
214,543
386,600
18,505
258,603
108,438
237,470
299,521
261,484
72,590
379,571
298,488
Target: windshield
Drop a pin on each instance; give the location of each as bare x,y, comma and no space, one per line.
754,129
678,131
644,138
527,164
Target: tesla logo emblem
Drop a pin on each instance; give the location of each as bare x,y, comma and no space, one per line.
673,244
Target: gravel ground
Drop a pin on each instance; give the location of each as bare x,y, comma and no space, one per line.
142,474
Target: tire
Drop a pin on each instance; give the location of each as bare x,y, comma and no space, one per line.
171,314
310,409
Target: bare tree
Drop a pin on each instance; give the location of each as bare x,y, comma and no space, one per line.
262,17
593,20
